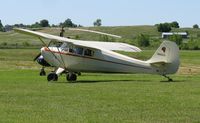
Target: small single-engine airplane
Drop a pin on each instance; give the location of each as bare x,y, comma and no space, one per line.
75,56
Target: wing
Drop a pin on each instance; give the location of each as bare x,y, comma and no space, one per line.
97,32
112,46
42,35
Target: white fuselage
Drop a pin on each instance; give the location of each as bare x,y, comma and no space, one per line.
100,61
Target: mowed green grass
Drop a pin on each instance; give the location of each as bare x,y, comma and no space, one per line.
27,97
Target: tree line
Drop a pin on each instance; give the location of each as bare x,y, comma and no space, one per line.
192,44
167,27
45,23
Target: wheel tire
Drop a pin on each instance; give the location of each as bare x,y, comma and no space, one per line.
52,77
74,77
71,77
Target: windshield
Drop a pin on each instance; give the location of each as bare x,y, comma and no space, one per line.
72,49
55,44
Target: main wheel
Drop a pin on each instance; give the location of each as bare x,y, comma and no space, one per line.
71,77
52,77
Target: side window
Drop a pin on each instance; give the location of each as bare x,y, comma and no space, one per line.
88,52
79,51
71,49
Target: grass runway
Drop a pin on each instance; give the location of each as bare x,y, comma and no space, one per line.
27,97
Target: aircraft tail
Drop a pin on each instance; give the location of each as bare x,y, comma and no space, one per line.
166,58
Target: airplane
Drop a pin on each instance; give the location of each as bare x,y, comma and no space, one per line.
72,57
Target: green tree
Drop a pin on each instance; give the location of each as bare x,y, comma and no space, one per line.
53,25
143,40
1,27
176,38
193,44
44,23
19,25
98,22
164,27
68,23
36,25
4,43
175,24
196,26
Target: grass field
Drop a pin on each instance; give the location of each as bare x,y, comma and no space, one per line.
102,98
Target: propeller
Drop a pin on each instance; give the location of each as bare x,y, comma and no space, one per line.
37,57
97,32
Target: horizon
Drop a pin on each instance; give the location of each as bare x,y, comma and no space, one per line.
112,13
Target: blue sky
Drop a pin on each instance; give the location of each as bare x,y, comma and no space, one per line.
112,12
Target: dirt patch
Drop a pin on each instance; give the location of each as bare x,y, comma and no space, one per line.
189,70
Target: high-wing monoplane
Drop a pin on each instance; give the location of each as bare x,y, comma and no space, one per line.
75,56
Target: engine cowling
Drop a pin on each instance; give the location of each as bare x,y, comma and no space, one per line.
42,62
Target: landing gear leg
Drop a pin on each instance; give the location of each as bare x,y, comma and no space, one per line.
71,77
52,77
42,72
169,79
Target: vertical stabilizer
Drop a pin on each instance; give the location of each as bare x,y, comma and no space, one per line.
166,58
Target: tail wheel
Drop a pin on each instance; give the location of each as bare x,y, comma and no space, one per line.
52,77
71,77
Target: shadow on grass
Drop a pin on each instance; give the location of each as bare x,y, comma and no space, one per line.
107,81
96,81
100,81
174,81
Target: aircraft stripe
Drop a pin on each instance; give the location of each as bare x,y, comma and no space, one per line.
96,59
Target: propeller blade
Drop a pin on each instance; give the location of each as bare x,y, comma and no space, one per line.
37,57
97,32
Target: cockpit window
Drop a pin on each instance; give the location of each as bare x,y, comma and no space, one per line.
72,49
64,47
88,52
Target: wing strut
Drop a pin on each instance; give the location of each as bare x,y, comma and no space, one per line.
61,57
